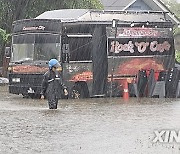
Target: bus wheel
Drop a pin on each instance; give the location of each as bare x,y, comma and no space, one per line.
25,95
77,92
35,96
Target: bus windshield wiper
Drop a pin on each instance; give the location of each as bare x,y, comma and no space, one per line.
23,60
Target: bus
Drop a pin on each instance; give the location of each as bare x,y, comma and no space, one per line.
97,49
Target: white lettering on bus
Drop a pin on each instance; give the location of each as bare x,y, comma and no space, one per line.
154,46
34,28
141,46
138,32
122,47
117,47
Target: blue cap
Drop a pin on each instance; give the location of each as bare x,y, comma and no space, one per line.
53,63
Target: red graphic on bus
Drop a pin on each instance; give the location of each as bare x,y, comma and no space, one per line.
83,76
133,66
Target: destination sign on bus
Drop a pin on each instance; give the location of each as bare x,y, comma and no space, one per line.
34,28
35,25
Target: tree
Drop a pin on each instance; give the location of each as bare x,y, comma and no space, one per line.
4,39
4,36
173,6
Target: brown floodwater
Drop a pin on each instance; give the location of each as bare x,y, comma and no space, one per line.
102,125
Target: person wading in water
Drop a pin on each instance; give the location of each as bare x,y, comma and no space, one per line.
52,85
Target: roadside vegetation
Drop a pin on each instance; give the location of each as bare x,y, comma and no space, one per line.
174,7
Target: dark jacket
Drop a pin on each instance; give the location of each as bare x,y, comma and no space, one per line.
52,85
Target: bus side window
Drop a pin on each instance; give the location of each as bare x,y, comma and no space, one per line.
80,49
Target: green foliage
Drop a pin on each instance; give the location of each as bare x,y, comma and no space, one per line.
4,36
177,56
173,6
177,31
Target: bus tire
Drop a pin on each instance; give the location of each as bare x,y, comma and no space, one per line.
25,95
35,96
79,91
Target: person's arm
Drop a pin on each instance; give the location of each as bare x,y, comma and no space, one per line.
64,87
44,85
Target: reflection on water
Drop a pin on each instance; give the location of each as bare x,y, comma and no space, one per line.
101,125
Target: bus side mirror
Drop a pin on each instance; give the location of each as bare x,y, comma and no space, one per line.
65,53
7,53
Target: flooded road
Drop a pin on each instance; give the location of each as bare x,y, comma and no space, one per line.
86,126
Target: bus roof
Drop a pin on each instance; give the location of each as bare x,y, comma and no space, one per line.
85,15
56,19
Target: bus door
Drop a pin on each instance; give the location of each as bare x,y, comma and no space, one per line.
99,58
77,61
